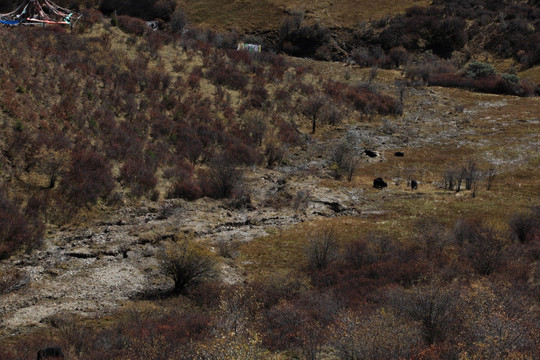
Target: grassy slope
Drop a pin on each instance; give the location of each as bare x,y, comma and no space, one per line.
260,15
509,132
505,129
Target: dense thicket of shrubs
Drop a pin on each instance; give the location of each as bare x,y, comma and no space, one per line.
506,29
424,29
304,40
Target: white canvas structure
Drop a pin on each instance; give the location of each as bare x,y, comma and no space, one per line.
249,47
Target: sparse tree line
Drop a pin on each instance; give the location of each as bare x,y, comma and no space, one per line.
469,176
466,290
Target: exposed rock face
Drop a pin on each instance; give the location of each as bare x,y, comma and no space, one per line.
92,271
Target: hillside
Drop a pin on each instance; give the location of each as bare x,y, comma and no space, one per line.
260,16
164,196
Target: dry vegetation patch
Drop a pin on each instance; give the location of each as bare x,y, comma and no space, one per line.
268,14
232,151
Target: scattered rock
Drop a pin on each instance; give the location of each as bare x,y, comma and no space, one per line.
82,253
149,251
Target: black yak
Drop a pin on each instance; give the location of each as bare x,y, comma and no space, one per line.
379,183
50,353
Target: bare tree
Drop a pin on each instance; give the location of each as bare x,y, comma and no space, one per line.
312,108
472,174
345,158
352,161
256,126
373,72
52,163
401,86
453,177
179,20
409,172
490,176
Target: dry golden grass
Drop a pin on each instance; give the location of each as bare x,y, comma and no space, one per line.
532,74
283,251
260,15
497,129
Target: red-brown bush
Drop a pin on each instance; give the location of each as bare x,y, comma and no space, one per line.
91,16
258,95
88,178
227,75
139,174
221,179
185,189
16,230
132,25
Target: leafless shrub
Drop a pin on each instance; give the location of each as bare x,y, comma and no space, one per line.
431,235
381,335
301,200
482,245
274,153
12,280
434,306
373,72
52,163
490,175
187,263
227,249
522,226
345,159
387,127
322,249
178,20
221,179
330,114
255,125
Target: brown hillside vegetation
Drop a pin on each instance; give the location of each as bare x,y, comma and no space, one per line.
257,16
164,196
